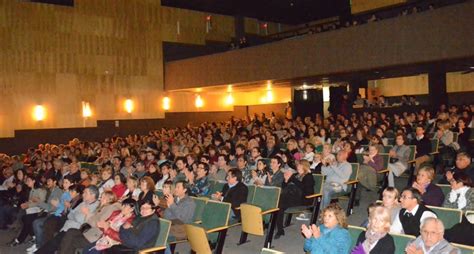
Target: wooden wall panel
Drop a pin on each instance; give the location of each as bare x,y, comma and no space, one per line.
459,82
100,51
358,6
411,85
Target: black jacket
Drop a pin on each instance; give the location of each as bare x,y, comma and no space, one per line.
385,245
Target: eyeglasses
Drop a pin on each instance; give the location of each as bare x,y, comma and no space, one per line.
428,233
405,197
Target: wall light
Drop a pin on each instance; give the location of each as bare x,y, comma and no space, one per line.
86,109
199,102
39,113
128,106
229,100
166,103
305,94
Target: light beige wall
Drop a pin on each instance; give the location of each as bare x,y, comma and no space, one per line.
458,82
410,85
101,51
216,101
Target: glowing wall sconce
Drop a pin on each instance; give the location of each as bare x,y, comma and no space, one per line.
199,102
86,109
166,103
39,113
128,106
269,94
229,100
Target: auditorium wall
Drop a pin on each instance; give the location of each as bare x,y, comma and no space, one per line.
99,51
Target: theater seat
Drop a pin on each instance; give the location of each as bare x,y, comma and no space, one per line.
211,231
255,214
355,231
160,244
448,216
315,202
401,241
465,249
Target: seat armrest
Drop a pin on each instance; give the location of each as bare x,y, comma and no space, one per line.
212,230
313,196
153,249
270,211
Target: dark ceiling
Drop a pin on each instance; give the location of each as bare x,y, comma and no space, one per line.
283,11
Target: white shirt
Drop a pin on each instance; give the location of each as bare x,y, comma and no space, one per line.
397,227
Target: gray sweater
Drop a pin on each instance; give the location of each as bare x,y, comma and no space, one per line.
76,218
55,194
403,154
182,210
337,173
443,247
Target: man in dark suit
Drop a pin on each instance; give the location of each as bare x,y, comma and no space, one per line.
234,192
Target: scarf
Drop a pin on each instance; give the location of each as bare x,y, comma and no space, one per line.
460,196
371,237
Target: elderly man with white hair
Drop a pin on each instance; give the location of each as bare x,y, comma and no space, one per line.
431,240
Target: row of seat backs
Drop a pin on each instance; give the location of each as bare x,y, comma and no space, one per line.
401,241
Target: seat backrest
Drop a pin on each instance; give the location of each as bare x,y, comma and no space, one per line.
387,148
215,214
355,171
165,226
355,231
448,216
401,242
318,183
434,145
455,136
215,186
391,141
197,238
412,152
446,188
386,160
91,166
250,193
252,221
270,251
266,197
465,249
200,204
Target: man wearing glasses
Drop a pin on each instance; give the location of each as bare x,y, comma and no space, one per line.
431,239
411,215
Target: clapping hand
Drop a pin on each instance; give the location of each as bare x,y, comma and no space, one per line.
412,249
306,231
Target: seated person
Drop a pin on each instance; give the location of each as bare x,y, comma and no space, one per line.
199,183
259,174
463,164
120,185
234,192
141,233
75,218
431,239
390,200
180,209
337,174
89,232
431,194
275,177
110,230
376,239
373,162
461,195
399,156
331,237
423,147
411,215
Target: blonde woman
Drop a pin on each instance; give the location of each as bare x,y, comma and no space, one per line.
376,239
390,198
331,237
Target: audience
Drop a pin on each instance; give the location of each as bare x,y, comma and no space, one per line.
264,151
